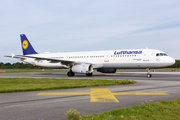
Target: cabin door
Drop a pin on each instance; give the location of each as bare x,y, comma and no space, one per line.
146,55
106,58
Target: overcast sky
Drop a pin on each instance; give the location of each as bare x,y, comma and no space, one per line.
88,25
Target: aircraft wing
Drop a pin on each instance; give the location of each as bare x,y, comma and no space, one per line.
16,56
53,60
12,56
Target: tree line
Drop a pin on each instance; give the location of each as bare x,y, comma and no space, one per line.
18,65
22,65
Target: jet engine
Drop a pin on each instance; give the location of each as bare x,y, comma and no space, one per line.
82,68
105,70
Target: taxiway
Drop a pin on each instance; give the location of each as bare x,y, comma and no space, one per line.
30,106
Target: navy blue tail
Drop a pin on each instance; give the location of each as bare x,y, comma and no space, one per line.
26,46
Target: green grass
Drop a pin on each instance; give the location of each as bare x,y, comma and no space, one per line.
32,70
144,70
65,70
32,84
165,110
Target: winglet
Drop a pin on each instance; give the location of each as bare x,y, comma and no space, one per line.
12,55
26,46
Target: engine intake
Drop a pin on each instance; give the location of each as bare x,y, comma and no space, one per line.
82,68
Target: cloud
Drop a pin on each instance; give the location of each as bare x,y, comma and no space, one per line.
78,25
159,27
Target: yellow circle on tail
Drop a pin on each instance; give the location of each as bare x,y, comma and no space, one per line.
25,44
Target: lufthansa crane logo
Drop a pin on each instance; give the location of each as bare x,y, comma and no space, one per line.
25,44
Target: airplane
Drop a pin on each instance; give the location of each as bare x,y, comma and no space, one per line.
103,61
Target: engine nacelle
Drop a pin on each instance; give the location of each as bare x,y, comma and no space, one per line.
82,68
104,70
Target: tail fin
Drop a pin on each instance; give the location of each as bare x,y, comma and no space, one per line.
26,46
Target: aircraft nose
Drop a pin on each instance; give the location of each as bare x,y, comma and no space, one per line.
172,61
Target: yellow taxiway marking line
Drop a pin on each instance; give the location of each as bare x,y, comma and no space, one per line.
104,95
118,93
139,93
69,93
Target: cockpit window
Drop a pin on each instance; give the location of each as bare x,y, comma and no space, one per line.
161,54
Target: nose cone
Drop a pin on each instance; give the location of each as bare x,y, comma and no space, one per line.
171,61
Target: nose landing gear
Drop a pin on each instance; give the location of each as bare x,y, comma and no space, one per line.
148,73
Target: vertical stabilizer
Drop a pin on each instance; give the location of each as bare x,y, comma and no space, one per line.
26,46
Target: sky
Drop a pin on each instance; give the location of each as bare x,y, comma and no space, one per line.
89,25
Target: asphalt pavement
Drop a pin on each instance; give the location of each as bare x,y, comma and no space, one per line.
30,106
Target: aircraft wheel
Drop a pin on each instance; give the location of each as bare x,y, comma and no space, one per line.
70,74
149,75
89,74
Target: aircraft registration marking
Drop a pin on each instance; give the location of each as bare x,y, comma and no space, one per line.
104,95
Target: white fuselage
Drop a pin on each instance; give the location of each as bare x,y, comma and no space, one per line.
132,58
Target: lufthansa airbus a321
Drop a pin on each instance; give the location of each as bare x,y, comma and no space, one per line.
103,61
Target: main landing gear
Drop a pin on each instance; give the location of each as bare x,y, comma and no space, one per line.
148,73
88,74
70,73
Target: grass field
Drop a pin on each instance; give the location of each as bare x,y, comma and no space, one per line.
153,70
65,70
165,110
32,84
32,70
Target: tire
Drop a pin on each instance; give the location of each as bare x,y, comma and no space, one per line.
89,74
70,74
149,75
